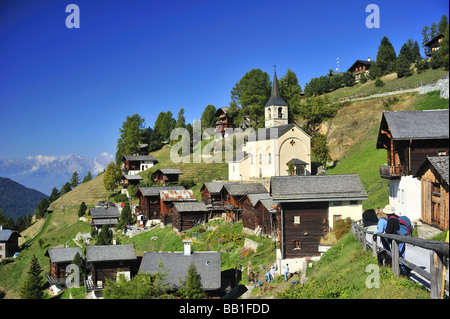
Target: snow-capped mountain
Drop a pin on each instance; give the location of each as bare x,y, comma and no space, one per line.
43,172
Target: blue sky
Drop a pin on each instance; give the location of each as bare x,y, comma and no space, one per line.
68,91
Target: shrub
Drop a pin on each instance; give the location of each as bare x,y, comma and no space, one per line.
342,227
379,83
422,66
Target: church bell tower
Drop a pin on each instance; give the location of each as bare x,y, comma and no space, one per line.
276,109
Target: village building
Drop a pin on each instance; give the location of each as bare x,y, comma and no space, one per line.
166,176
251,218
268,151
9,243
233,193
308,207
176,265
188,214
134,164
214,197
224,121
267,216
130,180
109,261
167,200
433,174
433,45
409,137
359,67
149,208
60,258
104,215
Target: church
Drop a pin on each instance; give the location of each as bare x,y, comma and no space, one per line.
279,149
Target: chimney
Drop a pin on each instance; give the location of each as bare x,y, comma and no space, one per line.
368,59
187,247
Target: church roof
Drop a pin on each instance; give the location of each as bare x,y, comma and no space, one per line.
275,97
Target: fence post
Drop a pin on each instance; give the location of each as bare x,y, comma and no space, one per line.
395,259
374,246
364,238
436,273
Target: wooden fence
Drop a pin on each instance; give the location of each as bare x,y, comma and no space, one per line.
439,253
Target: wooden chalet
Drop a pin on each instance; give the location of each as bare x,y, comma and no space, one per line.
250,218
224,121
104,215
60,258
186,215
176,265
233,193
307,203
433,45
134,164
359,67
267,216
130,180
149,207
214,198
9,243
108,261
408,137
433,174
167,200
166,176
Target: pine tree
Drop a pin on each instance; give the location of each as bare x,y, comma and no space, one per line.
32,287
386,55
192,287
88,177
75,180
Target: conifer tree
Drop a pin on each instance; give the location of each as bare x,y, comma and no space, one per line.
192,287
32,287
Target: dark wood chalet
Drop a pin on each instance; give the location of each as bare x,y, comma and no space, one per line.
9,243
224,121
250,218
304,209
108,261
233,193
433,45
360,66
267,216
433,174
214,198
186,215
104,215
166,176
410,136
149,207
133,180
60,258
167,200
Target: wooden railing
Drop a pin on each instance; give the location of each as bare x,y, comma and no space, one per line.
439,253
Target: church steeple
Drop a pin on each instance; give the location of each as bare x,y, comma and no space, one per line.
276,109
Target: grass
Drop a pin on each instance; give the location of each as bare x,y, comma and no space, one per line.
342,273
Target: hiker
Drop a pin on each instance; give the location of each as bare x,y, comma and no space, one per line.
381,226
272,273
257,281
267,277
399,225
286,271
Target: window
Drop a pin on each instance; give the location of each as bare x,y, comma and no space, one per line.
297,244
337,217
353,202
337,203
260,158
296,219
270,158
280,112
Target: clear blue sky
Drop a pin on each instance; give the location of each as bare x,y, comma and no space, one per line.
68,91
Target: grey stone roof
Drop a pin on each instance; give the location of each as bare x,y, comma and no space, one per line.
59,255
440,163
110,253
154,191
275,97
176,265
418,124
254,198
139,158
245,189
132,177
6,233
104,212
268,204
216,187
317,188
190,207
169,171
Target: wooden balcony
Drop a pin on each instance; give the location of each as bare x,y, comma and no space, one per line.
391,171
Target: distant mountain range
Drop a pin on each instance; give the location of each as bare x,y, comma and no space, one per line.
45,172
17,200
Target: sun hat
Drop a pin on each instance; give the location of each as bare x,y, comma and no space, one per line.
388,209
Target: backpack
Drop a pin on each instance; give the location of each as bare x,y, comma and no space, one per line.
404,227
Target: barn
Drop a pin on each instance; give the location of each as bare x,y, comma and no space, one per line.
186,215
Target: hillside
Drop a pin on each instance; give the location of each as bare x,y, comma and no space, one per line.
17,200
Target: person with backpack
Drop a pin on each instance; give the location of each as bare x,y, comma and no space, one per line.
399,225
381,227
